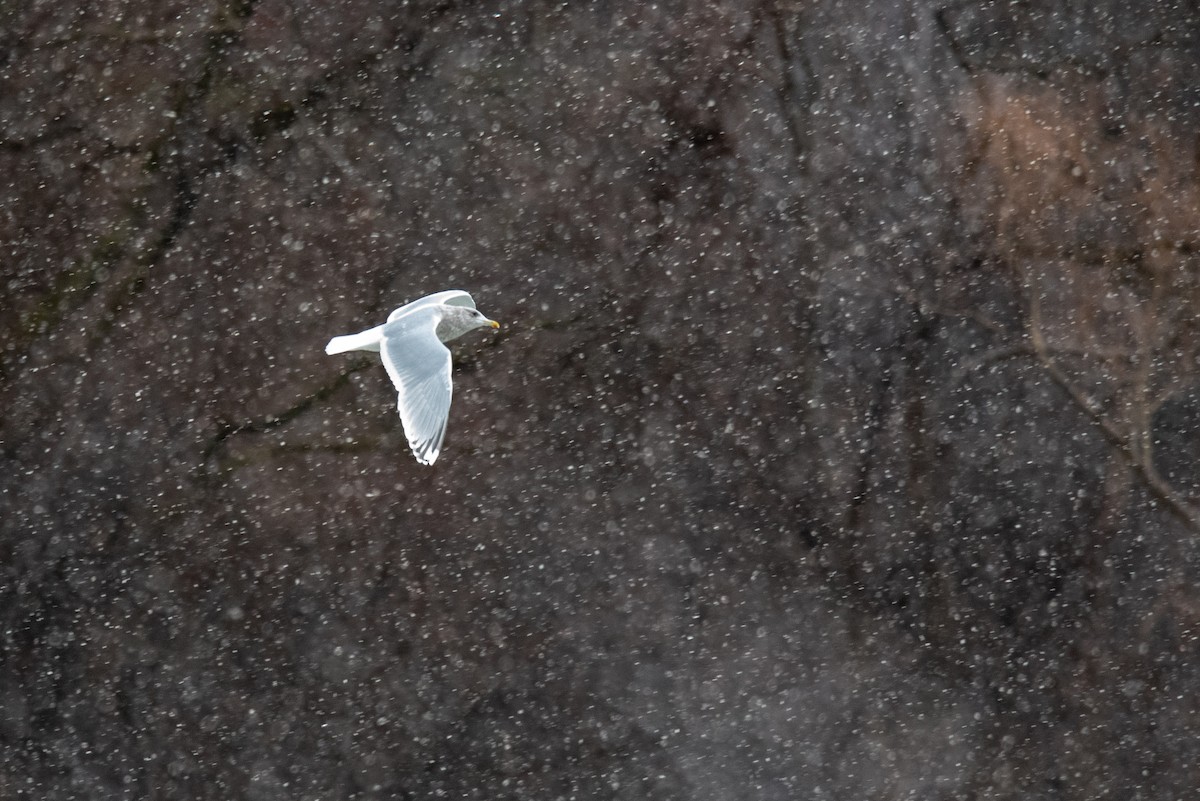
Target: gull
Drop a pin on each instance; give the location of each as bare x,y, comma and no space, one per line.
410,345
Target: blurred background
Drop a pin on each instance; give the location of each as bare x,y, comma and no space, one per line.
840,441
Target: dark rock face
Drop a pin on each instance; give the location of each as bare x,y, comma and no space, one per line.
839,443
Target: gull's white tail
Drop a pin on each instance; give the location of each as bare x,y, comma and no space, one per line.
367,340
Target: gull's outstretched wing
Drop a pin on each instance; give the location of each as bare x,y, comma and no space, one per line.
419,365
451,297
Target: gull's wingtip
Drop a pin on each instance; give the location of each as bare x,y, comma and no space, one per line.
425,452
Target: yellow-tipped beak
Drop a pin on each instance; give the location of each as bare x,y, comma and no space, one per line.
493,324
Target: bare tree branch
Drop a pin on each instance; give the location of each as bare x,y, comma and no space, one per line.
1135,443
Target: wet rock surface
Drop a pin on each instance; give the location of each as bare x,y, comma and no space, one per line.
838,442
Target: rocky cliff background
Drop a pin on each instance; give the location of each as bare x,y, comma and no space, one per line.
840,442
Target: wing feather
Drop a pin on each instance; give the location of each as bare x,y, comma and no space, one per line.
450,297
419,366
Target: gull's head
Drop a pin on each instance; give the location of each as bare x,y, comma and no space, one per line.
458,320
482,322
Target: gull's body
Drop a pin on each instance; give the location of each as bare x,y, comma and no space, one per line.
410,345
